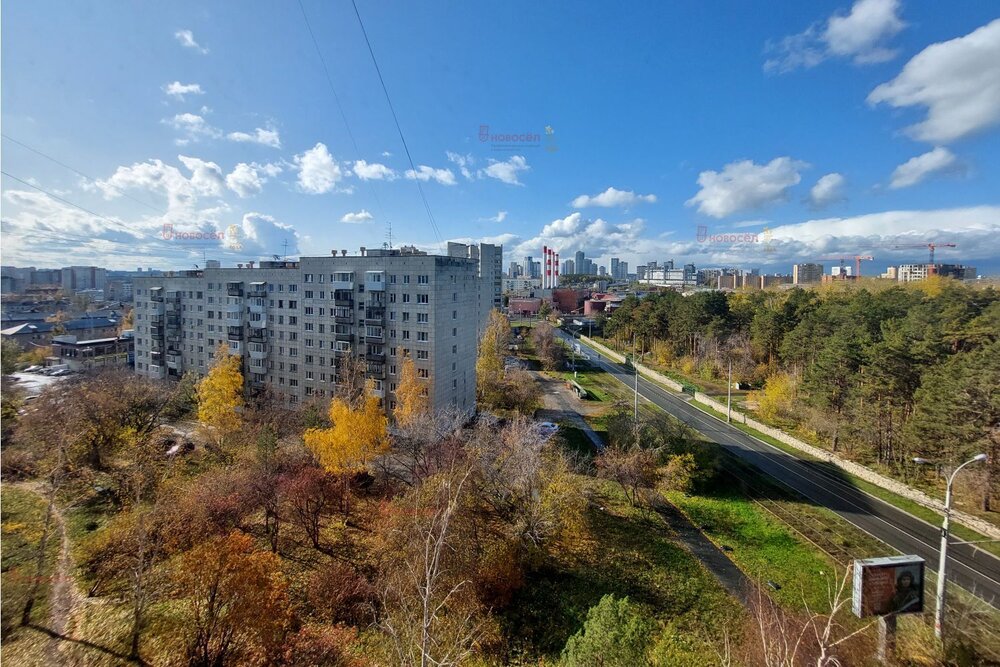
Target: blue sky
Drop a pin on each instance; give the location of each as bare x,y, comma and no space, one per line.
837,127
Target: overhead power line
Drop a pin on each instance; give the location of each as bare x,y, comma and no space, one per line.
395,119
340,107
74,170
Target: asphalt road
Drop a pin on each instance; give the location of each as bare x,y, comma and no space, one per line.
972,568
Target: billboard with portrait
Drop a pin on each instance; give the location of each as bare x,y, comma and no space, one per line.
892,585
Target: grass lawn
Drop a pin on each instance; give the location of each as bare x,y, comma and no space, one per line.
628,552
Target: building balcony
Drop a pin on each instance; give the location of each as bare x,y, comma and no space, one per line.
257,350
342,285
156,371
374,281
257,290
348,337
375,357
348,319
343,302
376,339
235,333
156,298
375,313
258,379
234,319
174,362
257,304
157,307
257,336
234,289
257,321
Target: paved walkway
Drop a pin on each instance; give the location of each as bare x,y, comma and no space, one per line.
560,404
712,557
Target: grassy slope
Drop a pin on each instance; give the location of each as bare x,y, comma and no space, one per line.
629,552
22,521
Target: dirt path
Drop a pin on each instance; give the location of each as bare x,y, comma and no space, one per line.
65,595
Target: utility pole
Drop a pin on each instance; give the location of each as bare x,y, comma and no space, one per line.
636,369
943,562
729,394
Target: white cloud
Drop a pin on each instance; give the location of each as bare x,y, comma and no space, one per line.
206,177
361,216
499,217
373,171
612,197
261,235
828,189
244,180
318,171
193,126
860,35
463,162
258,136
976,231
505,171
178,90
958,81
186,38
425,173
918,168
745,185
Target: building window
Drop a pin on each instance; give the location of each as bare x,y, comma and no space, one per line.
423,280
422,354
406,298
423,373
423,298
423,318
422,336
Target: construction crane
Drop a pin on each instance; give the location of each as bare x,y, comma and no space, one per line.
857,262
929,246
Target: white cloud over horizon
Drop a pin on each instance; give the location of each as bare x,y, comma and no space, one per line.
505,171
612,197
744,185
425,173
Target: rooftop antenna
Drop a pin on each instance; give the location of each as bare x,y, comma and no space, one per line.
388,224
284,250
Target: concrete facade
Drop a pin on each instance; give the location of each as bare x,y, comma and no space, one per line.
292,321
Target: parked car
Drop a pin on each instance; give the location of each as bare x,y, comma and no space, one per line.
61,372
32,369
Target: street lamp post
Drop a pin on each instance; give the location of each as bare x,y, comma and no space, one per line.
943,561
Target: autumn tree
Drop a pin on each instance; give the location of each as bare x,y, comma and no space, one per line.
411,394
220,395
235,600
355,437
431,616
547,347
490,363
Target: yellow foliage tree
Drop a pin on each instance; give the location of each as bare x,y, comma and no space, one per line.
489,365
220,394
411,401
776,397
355,437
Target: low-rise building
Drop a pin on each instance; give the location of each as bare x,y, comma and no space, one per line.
82,354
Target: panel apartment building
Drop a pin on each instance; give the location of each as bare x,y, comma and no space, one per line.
293,321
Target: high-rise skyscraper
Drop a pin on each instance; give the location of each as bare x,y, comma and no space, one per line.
615,263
